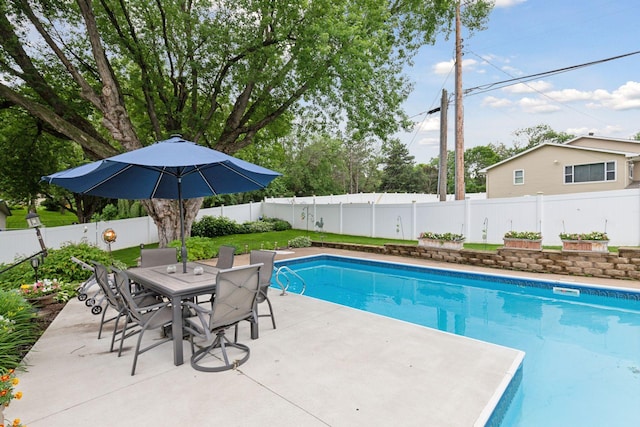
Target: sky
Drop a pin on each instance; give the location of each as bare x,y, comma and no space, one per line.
522,38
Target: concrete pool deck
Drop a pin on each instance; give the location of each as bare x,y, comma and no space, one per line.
324,365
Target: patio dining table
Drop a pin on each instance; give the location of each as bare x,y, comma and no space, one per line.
177,286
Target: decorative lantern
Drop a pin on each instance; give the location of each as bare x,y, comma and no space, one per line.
33,219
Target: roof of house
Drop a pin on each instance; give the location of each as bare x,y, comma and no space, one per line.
568,147
603,138
4,208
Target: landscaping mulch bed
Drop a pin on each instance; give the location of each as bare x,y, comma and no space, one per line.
48,314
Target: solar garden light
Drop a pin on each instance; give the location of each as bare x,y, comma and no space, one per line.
35,264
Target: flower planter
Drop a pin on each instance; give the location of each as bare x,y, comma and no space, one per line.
532,245
585,245
441,244
42,301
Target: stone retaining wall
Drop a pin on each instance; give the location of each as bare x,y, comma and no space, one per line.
622,265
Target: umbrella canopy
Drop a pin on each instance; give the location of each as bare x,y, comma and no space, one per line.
170,169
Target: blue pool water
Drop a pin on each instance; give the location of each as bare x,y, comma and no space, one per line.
582,363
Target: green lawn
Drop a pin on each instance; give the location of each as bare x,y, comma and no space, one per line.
247,242
49,219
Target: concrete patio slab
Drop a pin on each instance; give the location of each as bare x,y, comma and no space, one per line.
324,365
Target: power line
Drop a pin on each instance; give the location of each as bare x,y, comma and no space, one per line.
504,83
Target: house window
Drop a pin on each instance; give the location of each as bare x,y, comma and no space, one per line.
593,172
518,177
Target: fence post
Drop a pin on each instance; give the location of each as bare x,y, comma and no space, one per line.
466,231
315,214
414,220
293,212
340,218
373,220
539,211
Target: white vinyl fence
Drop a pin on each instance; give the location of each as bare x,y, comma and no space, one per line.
18,244
387,216
479,220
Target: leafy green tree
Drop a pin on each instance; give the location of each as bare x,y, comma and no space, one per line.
398,174
315,168
476,159
429,178
114,75
27,152
533,136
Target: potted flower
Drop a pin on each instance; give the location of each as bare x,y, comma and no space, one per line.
41,293
444,240
595,241
531,240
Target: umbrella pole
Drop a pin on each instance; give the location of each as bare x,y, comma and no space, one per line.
183,249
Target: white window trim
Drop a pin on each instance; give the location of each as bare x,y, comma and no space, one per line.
604,181
514,177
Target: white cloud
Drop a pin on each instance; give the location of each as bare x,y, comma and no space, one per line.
570,95
529,87
493,102
626,97
429,141
511,71
430,124
581,131
508,3
608,130
446,67
532,105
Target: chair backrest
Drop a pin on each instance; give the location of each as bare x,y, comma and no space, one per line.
267,259
236,290
102,277
225,256
158,256
123,285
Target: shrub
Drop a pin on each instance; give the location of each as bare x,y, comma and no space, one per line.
50,205
137,210
57,264
300,242
278,224
210,226
526,235
257,227
197,248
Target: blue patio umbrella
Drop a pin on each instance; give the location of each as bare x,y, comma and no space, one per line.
170,169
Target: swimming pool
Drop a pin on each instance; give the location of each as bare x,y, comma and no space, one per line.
582,344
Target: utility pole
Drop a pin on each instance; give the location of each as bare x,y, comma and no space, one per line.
442,163
459,152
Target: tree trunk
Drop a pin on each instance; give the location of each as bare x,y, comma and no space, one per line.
166,216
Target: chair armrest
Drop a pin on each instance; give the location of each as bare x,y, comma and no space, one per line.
202,313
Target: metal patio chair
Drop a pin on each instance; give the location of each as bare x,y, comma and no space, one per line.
158,256
236,291
113,300
267,259
226,255
140,316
